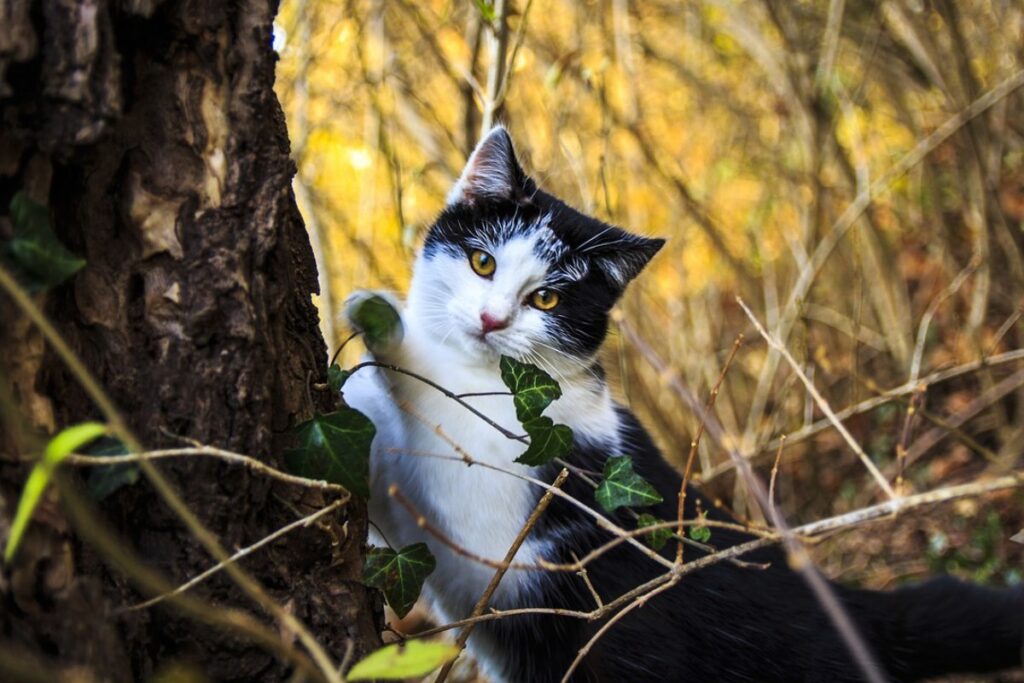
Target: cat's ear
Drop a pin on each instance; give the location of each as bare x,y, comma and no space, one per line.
492,172
622,255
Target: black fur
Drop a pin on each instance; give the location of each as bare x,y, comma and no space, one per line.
732,623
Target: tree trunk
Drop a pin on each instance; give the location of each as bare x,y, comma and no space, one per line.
152,132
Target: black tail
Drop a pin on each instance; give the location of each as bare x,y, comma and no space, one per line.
946,626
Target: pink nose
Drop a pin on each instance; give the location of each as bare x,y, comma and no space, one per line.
489,323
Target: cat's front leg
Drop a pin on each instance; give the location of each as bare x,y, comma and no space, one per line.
377,314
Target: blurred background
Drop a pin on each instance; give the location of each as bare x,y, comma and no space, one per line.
853,170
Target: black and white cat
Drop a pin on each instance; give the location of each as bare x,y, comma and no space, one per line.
507,269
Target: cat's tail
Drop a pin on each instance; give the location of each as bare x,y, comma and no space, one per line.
947,626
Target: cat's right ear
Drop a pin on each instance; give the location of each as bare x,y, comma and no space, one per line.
492,172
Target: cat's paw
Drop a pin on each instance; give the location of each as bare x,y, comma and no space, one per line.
377,316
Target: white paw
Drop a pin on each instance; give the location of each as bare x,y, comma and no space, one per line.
377,315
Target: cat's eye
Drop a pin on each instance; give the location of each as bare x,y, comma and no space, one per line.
483,263
544,299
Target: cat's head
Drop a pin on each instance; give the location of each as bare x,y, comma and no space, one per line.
508,269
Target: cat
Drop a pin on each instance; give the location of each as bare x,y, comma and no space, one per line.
508,269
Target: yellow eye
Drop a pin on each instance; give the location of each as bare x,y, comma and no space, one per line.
483,263
544,299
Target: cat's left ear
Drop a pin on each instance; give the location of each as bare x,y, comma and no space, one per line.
622,255
492,172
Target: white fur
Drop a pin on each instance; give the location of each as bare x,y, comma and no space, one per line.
480,509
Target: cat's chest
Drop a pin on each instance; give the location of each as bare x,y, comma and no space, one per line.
463,462
456,468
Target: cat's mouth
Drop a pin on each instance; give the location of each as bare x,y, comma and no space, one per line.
488,344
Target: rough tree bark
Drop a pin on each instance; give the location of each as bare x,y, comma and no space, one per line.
152,132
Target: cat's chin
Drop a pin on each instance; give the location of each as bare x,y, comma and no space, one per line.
483,351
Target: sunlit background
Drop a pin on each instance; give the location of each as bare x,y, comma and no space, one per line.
822,160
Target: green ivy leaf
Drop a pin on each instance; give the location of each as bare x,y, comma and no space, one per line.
104,480
547,441
411,659
622,487
377,319
700,532
335,447
59,447
336,377
399,575
39,257
532,389
656,538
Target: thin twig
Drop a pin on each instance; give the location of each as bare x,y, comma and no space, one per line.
695,444
248,550
1005,327
585,576
638,601
775,471
933,307
341,347
915,403
474,394
203,451
448,393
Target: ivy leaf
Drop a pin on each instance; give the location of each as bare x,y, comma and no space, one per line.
658,537
532,389
700,532
60,446
399,575
39,257
336,378
622,487
547,441
335,447
411,659
377,319
104,480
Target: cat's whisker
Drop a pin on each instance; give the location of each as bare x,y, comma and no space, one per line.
582,248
